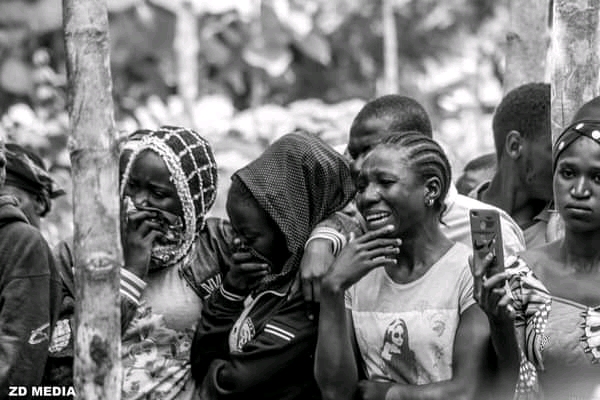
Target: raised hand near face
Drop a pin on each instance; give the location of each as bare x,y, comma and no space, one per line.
140,229
248,269
361,255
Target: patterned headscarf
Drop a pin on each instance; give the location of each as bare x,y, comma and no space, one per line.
586,122
299,180
191,163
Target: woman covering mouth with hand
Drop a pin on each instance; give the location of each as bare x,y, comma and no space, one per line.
254,339
172,257
397,317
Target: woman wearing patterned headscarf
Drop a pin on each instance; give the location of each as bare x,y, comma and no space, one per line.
254,339
172,256
555,289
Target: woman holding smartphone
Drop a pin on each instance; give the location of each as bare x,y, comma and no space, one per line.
399,321
554,295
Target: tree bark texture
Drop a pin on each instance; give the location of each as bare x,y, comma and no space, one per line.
187,48
527,43
575,58
390,49
97,248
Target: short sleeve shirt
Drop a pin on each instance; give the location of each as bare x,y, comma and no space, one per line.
405,332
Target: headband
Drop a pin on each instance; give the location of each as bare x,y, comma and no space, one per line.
588,128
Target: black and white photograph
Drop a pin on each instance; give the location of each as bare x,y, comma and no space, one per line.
300,199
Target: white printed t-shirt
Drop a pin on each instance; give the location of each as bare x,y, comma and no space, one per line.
405,332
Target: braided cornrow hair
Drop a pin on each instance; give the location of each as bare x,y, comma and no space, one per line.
427,158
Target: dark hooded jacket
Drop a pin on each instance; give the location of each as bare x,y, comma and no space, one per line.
262,346
29,299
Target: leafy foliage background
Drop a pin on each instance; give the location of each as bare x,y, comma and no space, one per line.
264,67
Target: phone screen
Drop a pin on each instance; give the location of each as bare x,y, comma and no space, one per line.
486,236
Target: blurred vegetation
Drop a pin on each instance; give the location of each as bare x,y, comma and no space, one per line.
263,67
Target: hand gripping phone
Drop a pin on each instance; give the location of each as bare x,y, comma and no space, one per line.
486,237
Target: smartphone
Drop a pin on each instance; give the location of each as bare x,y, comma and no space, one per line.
486,237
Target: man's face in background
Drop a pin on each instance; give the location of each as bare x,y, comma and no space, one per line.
363,138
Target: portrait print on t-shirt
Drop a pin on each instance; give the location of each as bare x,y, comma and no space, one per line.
396,351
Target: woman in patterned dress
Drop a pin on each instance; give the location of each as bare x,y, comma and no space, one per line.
554,291
172,256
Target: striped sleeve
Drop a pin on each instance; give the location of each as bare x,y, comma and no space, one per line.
229,295
279,331
132,286
338,240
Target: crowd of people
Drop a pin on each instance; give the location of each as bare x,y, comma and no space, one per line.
334,276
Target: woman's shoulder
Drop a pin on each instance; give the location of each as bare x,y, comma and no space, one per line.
216,231
457,255
539,258
213,247
461,248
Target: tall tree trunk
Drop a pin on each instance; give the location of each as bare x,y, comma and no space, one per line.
186,48
526,43
390,49
575,58
97,249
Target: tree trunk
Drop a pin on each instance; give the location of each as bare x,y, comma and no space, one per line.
390,49
97,248
186,48
575,58
526,43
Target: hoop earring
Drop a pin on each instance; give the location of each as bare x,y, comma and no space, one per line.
429,202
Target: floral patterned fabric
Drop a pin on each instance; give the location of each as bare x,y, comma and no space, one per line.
559,338
155,359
